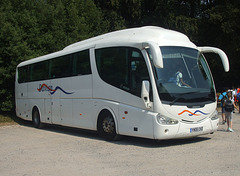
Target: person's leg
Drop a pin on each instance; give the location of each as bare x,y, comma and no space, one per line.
230,122
223,116
228,125
227,118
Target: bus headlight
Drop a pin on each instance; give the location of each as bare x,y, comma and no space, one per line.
215,116
166,120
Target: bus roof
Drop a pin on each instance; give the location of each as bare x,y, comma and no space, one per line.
127,37
163,37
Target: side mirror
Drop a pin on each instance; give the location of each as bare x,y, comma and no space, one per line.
145,94
156,53
222,55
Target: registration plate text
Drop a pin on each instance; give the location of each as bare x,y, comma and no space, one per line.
197,129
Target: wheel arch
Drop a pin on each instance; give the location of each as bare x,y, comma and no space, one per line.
36,120
107,109
35,107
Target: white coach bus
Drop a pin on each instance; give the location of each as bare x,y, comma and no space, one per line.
146,82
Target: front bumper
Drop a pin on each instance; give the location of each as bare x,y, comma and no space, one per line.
185,130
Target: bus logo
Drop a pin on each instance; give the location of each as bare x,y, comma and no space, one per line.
196,113
44,87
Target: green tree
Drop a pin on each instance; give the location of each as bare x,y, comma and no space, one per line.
220,27
14,49
34,28
112,14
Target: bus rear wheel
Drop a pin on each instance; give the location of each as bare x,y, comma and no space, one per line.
36,118
106,126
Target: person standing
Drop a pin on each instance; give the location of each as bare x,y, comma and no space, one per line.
222,98
233,96
229,106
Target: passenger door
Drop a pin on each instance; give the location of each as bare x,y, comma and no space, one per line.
121,71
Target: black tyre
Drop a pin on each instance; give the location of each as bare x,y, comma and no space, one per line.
106,126
36,118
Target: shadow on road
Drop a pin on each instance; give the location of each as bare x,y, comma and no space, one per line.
150,143
125,140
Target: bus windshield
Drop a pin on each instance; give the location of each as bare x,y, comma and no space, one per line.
185,78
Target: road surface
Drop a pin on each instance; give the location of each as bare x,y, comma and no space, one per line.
56,151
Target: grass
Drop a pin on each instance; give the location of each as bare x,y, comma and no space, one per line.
7,118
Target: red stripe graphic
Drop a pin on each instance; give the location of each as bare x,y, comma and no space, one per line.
44,85
188,112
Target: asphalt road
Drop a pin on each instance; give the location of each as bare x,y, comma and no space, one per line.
57,151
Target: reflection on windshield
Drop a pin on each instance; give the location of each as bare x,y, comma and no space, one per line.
185,77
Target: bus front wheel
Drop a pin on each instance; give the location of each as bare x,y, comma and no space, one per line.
36,118
106,126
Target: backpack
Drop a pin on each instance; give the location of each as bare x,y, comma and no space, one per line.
224,98
229,106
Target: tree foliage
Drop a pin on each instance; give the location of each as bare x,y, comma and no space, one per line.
34,28
31,28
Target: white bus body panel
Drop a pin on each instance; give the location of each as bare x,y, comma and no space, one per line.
59,106
135,121
22,104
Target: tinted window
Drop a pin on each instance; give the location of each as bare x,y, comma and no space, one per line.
61,66
122,67
81,63
39,71
23,74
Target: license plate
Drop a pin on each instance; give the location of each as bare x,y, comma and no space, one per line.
197,129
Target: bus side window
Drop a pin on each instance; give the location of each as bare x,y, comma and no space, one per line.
39,71
122,67
61,67
112,66
23,74
81,63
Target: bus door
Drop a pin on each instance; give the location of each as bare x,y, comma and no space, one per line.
134,116
55,102
51,103
48,109
66,99
58,108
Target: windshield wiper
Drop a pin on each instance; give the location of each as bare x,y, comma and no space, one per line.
176,99
210,98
